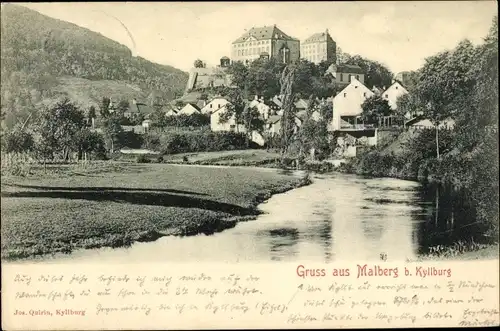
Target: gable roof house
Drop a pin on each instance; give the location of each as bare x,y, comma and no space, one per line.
343,73
214,104
137,107
229,125
189,109
347,104
393,93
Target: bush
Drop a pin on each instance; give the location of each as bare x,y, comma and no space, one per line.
193,120
201,141
141,158
159,159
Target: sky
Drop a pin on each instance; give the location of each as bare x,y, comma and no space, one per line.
398,34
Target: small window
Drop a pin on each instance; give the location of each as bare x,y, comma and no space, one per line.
345,94
211,105
387,95
396,87
364,94
357,77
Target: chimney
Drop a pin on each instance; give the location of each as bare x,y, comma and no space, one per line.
134,101
326,31
256,97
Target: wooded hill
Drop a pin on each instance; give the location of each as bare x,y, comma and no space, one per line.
44,58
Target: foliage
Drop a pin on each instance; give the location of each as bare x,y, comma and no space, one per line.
112,131
86,141
462,84
184,120
376,73
199,64
171,142
17,141
374,108
313,135
56,128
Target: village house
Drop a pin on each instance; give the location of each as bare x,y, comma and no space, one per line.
189,109
342,74
263,109
347,105
171,112
273,125
393,93
136,107
229,125
214,104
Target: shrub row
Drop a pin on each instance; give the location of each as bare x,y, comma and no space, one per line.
195,141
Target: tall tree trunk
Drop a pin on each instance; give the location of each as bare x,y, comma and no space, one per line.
437,140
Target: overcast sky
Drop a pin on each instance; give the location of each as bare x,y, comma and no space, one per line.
398,34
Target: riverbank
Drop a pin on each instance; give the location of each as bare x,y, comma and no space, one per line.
112,204
488,252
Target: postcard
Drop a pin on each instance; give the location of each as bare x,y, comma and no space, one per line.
249,165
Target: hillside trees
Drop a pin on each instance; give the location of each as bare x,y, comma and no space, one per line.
374,108
38,50
376,73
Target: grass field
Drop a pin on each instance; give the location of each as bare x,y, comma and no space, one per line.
250,157
114,204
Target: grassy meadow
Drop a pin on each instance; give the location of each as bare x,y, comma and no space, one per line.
114,204
250,157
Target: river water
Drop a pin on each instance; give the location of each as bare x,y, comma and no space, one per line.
337,218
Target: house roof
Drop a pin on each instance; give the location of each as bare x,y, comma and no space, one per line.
264,33
316,38
301,104
277,101
349,68
273,119
301,115
139,107
192,105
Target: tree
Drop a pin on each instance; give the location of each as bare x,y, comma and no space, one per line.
56,128
288,119
86,142
407,107
17,141
374,108
199,64
326,111
112,131
104,107
313,137
445,85
92,114
376,74
239,74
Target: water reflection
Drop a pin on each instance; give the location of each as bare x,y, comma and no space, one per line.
337,218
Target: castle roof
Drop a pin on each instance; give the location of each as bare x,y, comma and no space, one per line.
316,38
263,33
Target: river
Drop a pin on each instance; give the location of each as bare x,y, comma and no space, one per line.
337,218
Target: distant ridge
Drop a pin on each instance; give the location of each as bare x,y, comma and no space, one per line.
39,54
